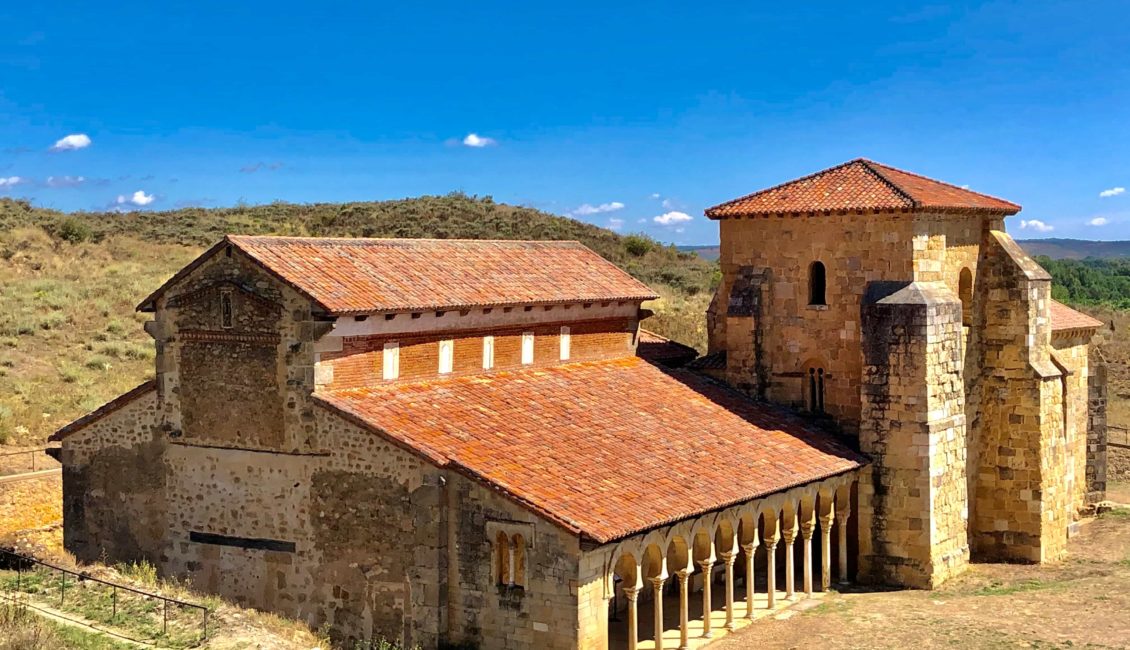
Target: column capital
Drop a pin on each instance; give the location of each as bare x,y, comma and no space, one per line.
827,519
683,574
844,511
729,557
788,535
705,565
771,544
657,582
807,528
632,593
750,548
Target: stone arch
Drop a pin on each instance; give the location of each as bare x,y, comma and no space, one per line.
725,536
814,378
679,555
965,292
817,283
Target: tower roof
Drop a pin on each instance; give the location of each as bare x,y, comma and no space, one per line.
861,185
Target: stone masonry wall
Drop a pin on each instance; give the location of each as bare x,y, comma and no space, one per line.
113,486
1096,431
1071,354
912,498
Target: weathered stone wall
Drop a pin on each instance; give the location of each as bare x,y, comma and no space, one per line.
789,335
261,368
1071,353
912,498
1021,503
1097,431
114,486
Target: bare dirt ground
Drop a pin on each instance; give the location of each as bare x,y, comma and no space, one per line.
1083,601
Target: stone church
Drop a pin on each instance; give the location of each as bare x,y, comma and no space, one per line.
474,443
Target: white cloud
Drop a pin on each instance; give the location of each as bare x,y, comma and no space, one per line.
1037,225
65,181
478,141
672,218
72,142
11,181
615,224
1098,221
1114,191
587,209
655,195
139,198
667,204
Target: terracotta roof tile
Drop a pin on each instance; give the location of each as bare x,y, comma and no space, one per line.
1066,318
104,410
660,349
714,361
606,448
354,276
860,185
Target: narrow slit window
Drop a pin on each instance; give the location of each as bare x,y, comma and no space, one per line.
815,390
488,352
446,356
527,348
565,344
817,284
965,293
227,312
502,553
391,360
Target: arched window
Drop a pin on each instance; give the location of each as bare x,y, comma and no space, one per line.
965,292
518,563
817,283
815,385
502,558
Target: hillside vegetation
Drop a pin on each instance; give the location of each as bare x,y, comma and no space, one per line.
1075,249
1093,282
69,336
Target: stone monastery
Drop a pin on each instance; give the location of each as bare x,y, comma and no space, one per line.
474,443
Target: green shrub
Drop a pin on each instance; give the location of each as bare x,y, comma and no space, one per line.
73,230
98,362
638,245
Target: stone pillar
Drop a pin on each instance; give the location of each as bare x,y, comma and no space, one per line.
750,591
771,561
729,557
788,536
1096,431
657,589
826,549
510,573
684,616
912,497
807,527
706,566
632,594
843,510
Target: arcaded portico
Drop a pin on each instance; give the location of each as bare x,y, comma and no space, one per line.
785,546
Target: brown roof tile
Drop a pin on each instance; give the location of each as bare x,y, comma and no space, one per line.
354,276
1065,318
606,448
860,185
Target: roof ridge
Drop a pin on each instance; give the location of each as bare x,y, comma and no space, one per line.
780,185
870,165
934,180
235,239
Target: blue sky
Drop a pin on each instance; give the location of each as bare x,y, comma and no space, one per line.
647,113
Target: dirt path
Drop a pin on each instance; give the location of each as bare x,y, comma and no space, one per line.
1083,601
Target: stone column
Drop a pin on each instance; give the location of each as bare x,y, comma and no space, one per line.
771,561
512,567
706,566
684,616
729,557
826,549
842,514
806,529
632,593
788,536
657,589
749,549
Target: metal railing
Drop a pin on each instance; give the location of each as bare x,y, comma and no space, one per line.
33,454
26,567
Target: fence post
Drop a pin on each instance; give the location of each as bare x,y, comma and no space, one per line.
62,588
114,597
205,623
33,461
165,624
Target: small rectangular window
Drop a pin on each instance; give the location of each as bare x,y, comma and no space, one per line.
565,343
392,360
527,348
488,352
446,356
227,315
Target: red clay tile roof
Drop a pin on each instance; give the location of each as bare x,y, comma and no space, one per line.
714,361
355,276
660,349
607,448
1065,318
104,410
861,185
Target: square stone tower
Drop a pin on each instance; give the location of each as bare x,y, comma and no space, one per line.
896,307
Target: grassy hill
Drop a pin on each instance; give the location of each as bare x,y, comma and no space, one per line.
69,336
1075,249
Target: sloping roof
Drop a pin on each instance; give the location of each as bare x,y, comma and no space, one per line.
106,409
713,361
356,276
606,448
861,185
660,349
1065,318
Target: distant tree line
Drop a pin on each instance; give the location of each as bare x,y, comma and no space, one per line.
1100,282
